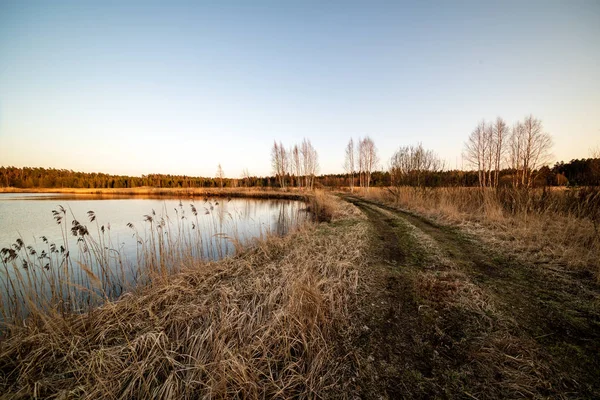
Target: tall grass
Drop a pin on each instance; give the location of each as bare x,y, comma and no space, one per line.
558,225
87,267
257,325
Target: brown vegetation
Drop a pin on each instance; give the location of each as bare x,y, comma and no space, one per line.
261,324
262,193
447,315
557,226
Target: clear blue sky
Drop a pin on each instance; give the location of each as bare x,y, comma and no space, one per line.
177,88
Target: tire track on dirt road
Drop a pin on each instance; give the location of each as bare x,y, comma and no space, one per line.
457,319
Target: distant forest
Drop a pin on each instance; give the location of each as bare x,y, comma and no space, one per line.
580,172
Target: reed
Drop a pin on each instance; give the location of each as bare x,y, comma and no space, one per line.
88,268
259,193
260,324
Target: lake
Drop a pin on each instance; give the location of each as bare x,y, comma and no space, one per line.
91,247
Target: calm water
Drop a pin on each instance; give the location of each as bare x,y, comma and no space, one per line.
29,216
127,235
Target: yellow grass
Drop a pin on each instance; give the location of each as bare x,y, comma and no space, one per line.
259,325
548,228
288,193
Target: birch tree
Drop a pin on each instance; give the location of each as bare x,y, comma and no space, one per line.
484,150
279,162
536,149
361,162
500,133
475,151
369,159
297,164
310,162
349,162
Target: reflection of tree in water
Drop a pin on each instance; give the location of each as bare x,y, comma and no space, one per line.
249,208
283,219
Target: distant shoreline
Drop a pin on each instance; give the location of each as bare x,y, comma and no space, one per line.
264,193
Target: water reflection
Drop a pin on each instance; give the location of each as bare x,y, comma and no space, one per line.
104,246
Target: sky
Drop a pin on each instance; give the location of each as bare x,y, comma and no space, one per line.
174,87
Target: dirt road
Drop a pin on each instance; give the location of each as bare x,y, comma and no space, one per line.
443,315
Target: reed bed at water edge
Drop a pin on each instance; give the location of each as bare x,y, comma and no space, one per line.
252,192
87,266
260,324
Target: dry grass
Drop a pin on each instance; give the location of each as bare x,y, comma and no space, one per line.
452,319
323,206
262,193
506,364
258,325
555,226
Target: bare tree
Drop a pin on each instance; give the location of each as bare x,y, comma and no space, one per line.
515,149
349,162
305,158
528,150
279,162
300,162
361,162
475,151
310,162
369,159
275,163
489,153
536,149
410,164
484,151
291,166
595,152
220,175
297,164
498,144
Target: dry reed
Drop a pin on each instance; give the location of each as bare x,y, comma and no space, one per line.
253,326
252,192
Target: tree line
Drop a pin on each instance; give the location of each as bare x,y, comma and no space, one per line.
579,172
499,156
27,178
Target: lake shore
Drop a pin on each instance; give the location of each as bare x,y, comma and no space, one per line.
260,193
262,324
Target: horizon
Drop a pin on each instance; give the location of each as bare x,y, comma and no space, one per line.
137,89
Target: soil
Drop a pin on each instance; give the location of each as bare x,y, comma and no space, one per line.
442,315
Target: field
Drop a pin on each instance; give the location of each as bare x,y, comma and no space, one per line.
406,294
